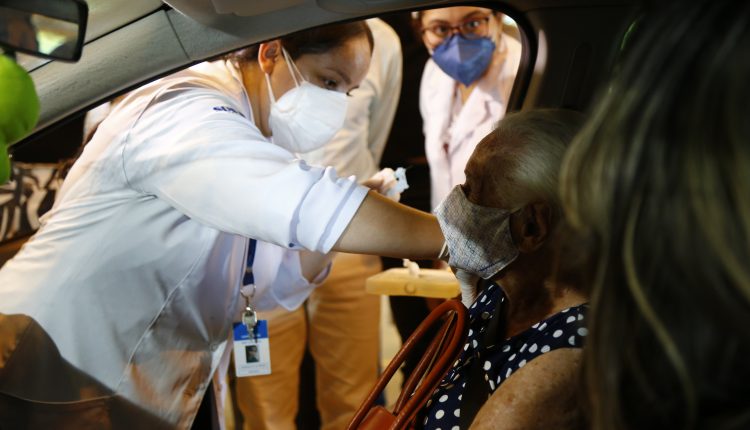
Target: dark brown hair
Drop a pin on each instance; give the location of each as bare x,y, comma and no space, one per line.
416,19
318,40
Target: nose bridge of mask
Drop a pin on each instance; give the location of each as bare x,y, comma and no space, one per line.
469,49
465,60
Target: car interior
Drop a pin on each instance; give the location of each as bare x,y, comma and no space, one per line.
569,45
569,48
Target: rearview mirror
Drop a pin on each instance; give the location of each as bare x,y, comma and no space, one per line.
45,28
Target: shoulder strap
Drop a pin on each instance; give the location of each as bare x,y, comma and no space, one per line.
451,316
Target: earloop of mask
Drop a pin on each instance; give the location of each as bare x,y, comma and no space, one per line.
270,90
496,34
293,68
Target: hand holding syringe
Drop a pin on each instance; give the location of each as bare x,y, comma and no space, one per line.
388,182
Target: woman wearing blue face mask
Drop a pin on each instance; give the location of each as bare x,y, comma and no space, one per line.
465,86
117,312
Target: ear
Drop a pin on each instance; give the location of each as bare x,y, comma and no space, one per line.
531,227
268,54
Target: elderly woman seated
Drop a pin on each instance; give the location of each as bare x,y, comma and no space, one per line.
522,358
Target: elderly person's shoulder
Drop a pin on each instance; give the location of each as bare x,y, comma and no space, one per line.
531,371
535,370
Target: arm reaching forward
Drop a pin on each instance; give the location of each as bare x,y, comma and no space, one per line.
383,227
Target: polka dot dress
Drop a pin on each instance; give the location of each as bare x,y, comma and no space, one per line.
566,329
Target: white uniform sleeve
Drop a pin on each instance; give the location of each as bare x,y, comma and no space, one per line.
278,278
193,148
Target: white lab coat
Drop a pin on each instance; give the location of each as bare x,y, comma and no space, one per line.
451,130
356,150
134,274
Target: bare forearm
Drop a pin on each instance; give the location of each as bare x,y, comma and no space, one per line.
383,227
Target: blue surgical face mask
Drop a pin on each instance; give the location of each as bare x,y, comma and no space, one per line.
464,60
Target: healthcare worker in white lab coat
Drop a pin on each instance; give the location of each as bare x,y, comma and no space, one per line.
339,323
465,87
116,313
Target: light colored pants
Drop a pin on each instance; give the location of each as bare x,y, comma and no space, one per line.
344,333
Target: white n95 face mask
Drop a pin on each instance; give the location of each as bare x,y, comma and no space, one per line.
478,237
307,116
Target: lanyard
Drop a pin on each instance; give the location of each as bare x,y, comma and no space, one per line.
249,279
249,316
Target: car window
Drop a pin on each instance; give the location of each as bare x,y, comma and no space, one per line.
104,17
60,144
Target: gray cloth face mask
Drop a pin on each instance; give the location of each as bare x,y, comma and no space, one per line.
478,238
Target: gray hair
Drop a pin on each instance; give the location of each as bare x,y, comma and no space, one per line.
529,147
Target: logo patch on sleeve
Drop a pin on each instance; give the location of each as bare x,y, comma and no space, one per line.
227,109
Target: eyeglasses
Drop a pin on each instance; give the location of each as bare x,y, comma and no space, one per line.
473,28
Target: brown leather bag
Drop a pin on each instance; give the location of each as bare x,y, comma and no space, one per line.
430,370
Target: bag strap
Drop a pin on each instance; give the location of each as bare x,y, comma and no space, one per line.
422,375
434,364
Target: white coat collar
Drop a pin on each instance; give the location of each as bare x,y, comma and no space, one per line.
486,101
236,74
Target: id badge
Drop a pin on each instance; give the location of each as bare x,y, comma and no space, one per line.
252,356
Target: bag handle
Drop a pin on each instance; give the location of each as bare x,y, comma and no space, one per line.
434,364
421,370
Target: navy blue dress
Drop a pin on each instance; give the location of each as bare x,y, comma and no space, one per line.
566,329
